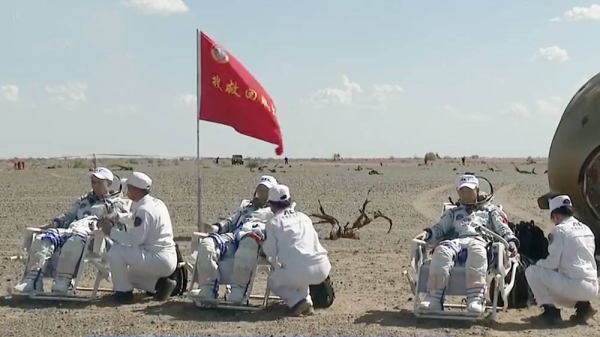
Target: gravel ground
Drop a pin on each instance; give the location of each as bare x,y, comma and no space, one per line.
373,297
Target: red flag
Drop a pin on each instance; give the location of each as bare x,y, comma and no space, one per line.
230,95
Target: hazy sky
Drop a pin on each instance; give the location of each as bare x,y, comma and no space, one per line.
360,78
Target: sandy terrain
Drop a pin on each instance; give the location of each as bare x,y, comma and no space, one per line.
373,298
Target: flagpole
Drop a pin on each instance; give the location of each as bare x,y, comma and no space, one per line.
198,160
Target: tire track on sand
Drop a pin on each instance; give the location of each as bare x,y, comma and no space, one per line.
503,197
429,203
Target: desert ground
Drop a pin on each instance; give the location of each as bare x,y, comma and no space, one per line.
373,297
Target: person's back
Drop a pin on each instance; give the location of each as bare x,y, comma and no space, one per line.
577,261
297,240
161,236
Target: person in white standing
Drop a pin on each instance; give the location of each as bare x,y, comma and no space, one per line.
568,276
143,256
292,247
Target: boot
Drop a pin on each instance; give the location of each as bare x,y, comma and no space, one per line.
237,294
33,283
583,312
123,297
300,308
550,316
61,284
432,301
164,288
475,300
208,292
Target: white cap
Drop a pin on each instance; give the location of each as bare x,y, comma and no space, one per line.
139,180
279,193
559,201
103,173
267,181
467,180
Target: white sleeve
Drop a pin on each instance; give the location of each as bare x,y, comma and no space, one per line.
269,246
555,248
134,236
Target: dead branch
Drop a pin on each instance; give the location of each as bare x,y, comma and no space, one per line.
378,214
373,172
350,231
325,218
524,171
122,168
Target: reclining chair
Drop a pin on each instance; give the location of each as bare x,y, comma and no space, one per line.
499,267
193,294
92,255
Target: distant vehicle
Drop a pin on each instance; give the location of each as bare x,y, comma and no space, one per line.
237,159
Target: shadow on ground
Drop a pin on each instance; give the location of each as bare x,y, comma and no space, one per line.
187,311
406,318
106,301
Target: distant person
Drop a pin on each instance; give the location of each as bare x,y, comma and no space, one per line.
22,165
217,161
463,160
286,161
568,276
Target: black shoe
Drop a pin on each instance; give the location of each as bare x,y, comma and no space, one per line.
550,316
583,312
299,308
164,288
123,297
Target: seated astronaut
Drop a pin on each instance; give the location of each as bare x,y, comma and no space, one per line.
57,250
458,240
230,253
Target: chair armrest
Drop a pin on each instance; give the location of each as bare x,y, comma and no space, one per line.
27,235
196,237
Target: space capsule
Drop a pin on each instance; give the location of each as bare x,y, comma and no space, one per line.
574,158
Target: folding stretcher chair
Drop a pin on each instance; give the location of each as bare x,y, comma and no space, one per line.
88,257
500,266
193,293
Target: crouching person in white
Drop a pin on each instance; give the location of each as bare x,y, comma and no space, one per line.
292,247
230,253
459,241
143,256
568,276
66,236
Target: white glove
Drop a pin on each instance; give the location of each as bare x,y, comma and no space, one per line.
422,236
208,228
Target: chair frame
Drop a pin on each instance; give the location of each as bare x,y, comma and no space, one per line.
497,272
261,265
72,295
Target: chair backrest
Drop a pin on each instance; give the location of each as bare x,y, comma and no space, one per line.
446,207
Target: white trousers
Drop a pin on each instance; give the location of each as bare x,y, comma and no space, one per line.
292,283
135,267
551,287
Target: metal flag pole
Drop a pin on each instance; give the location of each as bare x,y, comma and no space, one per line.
198,160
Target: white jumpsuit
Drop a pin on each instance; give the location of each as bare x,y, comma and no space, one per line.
569,273
459,241
292,245
230,255
143,252
57,251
